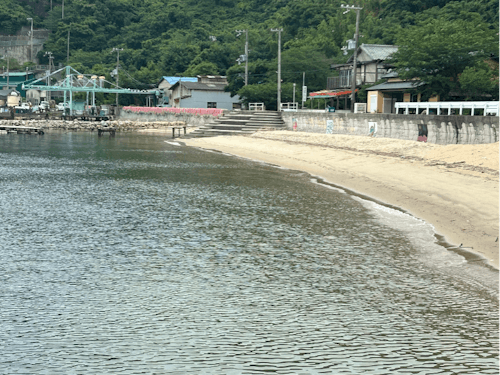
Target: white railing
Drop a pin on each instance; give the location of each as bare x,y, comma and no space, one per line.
289,107
448,108
359,107
256,107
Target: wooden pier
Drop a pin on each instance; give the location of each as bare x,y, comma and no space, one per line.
178,128
21,129
111,131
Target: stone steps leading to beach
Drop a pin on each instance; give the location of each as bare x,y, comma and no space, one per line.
238,123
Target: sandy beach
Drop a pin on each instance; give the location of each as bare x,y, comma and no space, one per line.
453,187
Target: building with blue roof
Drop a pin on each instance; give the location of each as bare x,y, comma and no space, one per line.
167,82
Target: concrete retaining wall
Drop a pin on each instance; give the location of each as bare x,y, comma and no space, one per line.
433,129
188,118
19,46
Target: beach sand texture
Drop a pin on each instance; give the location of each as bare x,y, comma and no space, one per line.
453,187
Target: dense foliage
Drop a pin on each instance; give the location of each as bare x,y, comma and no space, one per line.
188,37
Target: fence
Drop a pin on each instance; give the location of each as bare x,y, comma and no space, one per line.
448,108
289,106
256,107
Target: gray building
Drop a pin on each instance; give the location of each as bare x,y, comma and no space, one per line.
166,84
208,92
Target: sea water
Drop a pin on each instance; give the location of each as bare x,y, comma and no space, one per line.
131,255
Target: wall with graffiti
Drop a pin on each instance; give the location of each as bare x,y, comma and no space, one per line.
421,128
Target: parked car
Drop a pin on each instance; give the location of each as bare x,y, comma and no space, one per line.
23,105
44,106
62,106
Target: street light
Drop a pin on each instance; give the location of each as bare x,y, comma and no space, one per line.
355,56
31,34
246,53
117,50
279,66
51,62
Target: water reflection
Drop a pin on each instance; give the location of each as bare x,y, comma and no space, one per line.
130,255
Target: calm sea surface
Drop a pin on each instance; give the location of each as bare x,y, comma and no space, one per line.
131,255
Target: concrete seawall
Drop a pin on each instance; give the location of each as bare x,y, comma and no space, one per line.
187,118
430,128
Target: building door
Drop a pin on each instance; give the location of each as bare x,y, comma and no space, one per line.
387,105
373,103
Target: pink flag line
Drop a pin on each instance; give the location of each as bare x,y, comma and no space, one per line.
159,110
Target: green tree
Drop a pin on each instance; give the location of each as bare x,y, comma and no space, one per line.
12,16
267,93
480,82
438,51
203,68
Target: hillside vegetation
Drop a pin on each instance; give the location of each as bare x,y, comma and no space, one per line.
441,39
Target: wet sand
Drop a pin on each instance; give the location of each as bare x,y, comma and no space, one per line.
453,187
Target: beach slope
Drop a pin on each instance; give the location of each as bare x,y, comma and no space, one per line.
453,187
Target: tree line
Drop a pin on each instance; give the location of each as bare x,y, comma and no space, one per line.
450,45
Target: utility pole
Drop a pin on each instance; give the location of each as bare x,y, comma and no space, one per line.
279,66
8,75
246,53
303,85
117,50
51,62
62,14
180,91
67,52
355,56
31,37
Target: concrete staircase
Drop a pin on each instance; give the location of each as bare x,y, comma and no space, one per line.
241,122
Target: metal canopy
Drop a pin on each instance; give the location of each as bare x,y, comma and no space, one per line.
75,81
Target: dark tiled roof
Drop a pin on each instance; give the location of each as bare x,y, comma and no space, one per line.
377,51
204,86
404,85
392,74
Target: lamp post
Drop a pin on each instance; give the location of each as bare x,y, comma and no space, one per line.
246,53
31,37
117,50
8,75
355,56
67,49
279,66
51,62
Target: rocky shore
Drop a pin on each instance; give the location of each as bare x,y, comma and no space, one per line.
79,125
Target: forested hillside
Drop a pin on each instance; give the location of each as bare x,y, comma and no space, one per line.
175,37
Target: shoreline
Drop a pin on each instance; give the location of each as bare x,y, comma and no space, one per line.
452,187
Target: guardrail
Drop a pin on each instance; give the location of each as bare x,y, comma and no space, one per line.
448,108
256,107
159,110
289,106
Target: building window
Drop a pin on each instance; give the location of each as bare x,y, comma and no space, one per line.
211,105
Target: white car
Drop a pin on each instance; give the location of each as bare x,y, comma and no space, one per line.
62,106
23,105
44,106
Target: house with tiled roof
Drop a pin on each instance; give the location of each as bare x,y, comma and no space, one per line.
206,92
373,62
166,82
